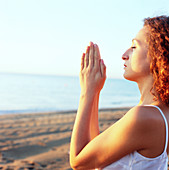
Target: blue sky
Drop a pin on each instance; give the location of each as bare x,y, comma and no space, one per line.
49,36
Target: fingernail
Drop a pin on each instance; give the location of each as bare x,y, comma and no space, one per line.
102,61
91,42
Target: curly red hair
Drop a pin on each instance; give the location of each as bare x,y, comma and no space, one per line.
158,51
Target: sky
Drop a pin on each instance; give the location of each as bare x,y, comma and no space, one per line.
49,36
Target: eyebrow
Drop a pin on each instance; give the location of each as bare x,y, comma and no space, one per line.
136,40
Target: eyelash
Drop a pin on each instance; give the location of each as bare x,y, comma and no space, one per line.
133,47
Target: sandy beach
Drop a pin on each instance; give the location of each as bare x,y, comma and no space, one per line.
41,140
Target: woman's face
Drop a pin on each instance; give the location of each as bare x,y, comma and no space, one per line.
137,63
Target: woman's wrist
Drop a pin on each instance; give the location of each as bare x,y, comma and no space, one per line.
89,95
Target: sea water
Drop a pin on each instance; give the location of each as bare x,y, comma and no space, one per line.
24,93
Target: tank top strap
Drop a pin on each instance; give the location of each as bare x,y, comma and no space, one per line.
166,125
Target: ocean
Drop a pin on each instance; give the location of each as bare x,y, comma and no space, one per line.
24,93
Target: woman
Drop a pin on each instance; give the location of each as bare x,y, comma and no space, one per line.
139,140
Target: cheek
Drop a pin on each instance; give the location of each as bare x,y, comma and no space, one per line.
136,64
139,62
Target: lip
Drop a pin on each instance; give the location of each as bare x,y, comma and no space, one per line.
125,65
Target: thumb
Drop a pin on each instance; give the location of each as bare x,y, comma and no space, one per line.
102,68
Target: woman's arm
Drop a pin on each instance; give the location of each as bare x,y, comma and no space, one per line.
94,121
92,78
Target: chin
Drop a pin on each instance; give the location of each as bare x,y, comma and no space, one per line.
126,76
129,77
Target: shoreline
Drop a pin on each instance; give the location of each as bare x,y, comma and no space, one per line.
62,111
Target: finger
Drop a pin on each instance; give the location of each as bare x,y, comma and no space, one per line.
102,68
82,61
96,56
91,57
98,51
86,63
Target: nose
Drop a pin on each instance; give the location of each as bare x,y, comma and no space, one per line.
125,56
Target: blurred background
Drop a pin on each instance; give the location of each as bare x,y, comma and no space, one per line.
41,43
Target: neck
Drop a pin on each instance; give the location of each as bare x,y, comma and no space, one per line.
145,85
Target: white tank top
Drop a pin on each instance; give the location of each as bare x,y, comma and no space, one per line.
136,161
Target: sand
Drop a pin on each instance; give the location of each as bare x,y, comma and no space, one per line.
41,140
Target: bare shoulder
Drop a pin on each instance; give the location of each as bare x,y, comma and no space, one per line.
138,124
150,124
144,114
135,131
143,118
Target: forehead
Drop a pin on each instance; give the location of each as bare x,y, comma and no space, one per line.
141,35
